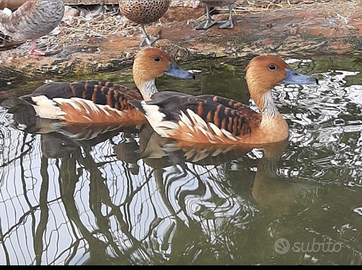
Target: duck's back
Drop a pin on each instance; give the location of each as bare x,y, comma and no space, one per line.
99,92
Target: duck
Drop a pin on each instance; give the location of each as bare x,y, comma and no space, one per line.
144,12
209,119
228,24
32,20
93,102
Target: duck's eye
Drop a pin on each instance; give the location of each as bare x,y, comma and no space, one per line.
272,68
157,59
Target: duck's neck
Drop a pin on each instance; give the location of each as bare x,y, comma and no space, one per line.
147,89
273,126
267,107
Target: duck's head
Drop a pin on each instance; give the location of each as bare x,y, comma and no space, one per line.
265,72
151,63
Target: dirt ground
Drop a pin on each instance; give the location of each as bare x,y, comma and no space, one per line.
109,41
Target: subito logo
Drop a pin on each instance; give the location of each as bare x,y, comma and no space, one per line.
281,246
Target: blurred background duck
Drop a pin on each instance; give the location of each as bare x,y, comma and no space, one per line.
105,103
11,4
144,12
228,24
212,119
30,20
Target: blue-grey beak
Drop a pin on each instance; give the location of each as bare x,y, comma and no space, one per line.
296,78
174,71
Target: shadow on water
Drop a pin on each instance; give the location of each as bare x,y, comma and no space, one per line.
88,196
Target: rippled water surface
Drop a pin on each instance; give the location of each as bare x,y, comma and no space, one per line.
130,197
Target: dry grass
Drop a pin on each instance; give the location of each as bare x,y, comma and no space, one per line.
110,22
93,24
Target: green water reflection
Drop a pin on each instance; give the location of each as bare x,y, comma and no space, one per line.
130,197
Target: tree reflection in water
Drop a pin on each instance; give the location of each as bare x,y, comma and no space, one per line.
74,195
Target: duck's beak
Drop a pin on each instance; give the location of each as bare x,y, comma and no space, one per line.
174,71
293,77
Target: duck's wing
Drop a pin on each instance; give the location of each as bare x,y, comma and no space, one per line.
86,102
99,92
200,119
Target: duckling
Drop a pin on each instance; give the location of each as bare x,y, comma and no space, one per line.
210,22
32,20
105,103
212,119
144,12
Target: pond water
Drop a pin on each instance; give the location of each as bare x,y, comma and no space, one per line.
130,197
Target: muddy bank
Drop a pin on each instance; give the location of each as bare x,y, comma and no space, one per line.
305,28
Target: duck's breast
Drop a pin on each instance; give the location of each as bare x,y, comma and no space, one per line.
144,12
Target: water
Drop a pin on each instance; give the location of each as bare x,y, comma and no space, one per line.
133,198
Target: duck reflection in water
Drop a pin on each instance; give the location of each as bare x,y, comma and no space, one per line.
269,188
172,194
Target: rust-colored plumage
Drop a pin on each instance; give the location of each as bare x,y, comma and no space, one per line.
98,115
211,119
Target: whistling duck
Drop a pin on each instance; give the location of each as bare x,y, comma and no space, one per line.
144,12
218,120
94,102
210,22
31,20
